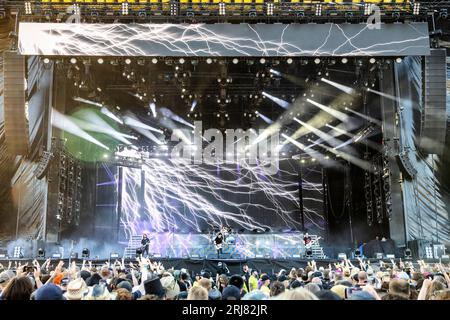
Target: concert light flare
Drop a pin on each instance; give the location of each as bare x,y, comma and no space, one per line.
282,103
339,86
65,123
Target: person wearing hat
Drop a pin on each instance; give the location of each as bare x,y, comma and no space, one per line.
170,286
231,293
49,291
265,283
76,289
153,286
255,295
98,292
5,277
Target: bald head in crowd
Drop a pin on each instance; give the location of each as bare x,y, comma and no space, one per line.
362,277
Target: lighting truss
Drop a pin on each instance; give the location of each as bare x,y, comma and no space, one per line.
207,10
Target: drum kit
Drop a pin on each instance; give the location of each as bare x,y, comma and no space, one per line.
228,234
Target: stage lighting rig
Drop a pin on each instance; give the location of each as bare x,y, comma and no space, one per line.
269,8
125,9
318,9
222,9
41,253
85,253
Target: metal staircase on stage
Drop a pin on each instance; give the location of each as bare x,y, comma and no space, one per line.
133,244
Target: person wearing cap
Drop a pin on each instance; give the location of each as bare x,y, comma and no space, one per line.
49,291
153,286
231,293
265,283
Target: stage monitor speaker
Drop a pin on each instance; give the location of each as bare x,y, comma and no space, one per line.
433,114
16,126
418,248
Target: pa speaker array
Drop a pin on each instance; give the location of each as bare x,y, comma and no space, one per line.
433,114
16,126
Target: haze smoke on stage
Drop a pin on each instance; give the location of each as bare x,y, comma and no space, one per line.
339,86
65,123
93,103
111,115
90,121
132,121
169,114
152,106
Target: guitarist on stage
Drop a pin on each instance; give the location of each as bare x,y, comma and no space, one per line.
306,239
145,242
218,241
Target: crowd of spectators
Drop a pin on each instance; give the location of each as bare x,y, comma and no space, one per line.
147,280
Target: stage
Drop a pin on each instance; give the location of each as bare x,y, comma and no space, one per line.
176,129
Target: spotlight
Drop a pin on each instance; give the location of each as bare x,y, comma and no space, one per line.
408,253
262,61
399,60
28,7
85,253
342,256
316,60
100,61
209,61
173,8
113,255
46,60
73,60
181,60
125,8
41,253
127,61
269,10
18,252
289,60
344,60
416,9
154,61
235,61
372,60
222,10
